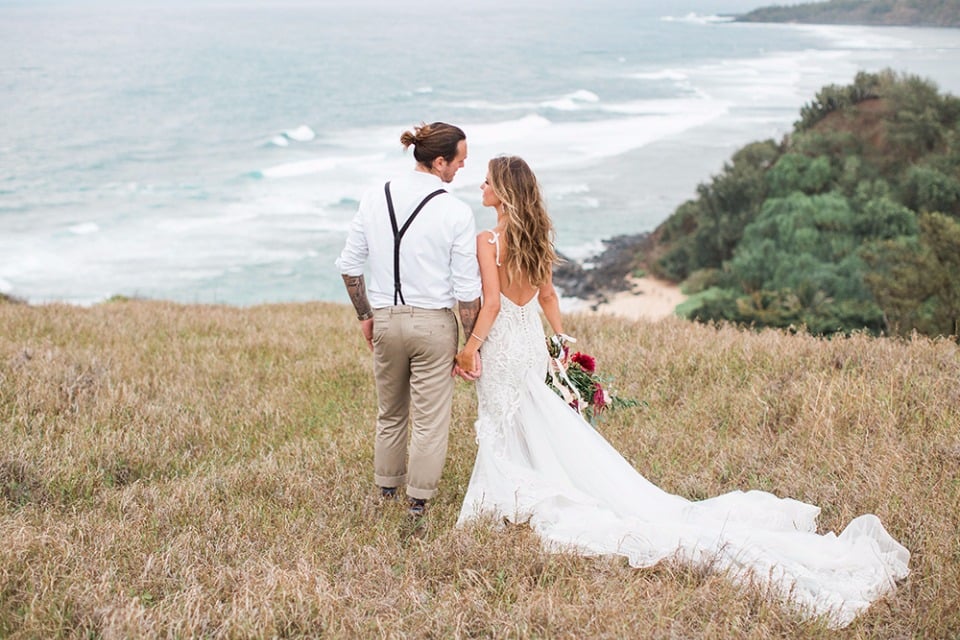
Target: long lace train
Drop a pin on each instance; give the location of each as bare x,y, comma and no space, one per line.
539,462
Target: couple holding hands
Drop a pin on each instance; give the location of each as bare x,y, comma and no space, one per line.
538,461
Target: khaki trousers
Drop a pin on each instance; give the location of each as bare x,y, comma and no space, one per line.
413,352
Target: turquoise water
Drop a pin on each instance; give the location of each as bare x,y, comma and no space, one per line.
215,151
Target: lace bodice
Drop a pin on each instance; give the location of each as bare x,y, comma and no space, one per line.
515,345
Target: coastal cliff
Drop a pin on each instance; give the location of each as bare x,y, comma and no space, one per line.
850,223
903,13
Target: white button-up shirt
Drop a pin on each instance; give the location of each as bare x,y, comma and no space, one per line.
438,252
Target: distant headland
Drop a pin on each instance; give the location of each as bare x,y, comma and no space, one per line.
889,13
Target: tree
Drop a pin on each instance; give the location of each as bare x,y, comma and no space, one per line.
796,172
927,189
704,232
822,228
914,279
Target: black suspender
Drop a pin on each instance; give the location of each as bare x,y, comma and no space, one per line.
398,235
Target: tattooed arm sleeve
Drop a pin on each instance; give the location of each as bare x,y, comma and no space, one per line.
468,315
357,290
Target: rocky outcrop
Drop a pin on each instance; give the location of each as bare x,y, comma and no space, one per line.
601,275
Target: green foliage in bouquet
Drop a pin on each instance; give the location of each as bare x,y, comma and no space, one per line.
574,378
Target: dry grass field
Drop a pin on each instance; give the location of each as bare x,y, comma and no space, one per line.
205,471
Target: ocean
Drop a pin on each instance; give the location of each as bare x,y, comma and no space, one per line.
214,151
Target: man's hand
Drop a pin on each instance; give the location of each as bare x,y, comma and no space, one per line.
469,376
366,326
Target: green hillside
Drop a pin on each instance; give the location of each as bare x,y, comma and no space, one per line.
921,13
851,222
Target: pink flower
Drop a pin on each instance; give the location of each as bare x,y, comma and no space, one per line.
599,398
587,363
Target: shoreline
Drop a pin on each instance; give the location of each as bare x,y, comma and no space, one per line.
606,284
613,282
647,298
643,298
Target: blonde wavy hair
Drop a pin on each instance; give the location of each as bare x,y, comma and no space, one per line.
528,232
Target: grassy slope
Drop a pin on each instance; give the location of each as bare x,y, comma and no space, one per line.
180,471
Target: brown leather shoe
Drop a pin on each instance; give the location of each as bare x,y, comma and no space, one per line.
417,508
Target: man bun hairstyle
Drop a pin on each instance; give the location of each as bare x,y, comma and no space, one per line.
432,141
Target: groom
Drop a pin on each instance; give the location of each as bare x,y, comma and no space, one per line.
420,244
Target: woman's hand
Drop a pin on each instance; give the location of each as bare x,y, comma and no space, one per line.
466,360
468,365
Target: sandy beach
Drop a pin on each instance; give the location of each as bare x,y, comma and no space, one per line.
647,299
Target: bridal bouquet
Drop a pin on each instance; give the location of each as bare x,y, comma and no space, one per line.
574,378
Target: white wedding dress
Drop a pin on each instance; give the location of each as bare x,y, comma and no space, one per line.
539,462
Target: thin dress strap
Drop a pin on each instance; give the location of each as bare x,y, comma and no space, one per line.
495,240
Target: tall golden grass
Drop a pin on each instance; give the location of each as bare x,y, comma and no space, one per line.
187,471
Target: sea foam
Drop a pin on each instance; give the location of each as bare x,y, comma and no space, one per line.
696,18
551,144
84,228
303,133
572,101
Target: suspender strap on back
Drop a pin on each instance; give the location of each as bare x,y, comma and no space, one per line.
398,236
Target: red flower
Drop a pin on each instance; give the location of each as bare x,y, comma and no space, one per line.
599,398
587,363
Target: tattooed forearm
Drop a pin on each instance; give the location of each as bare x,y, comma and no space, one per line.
468,315
357,290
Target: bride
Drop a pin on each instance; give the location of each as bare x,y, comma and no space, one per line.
538,461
